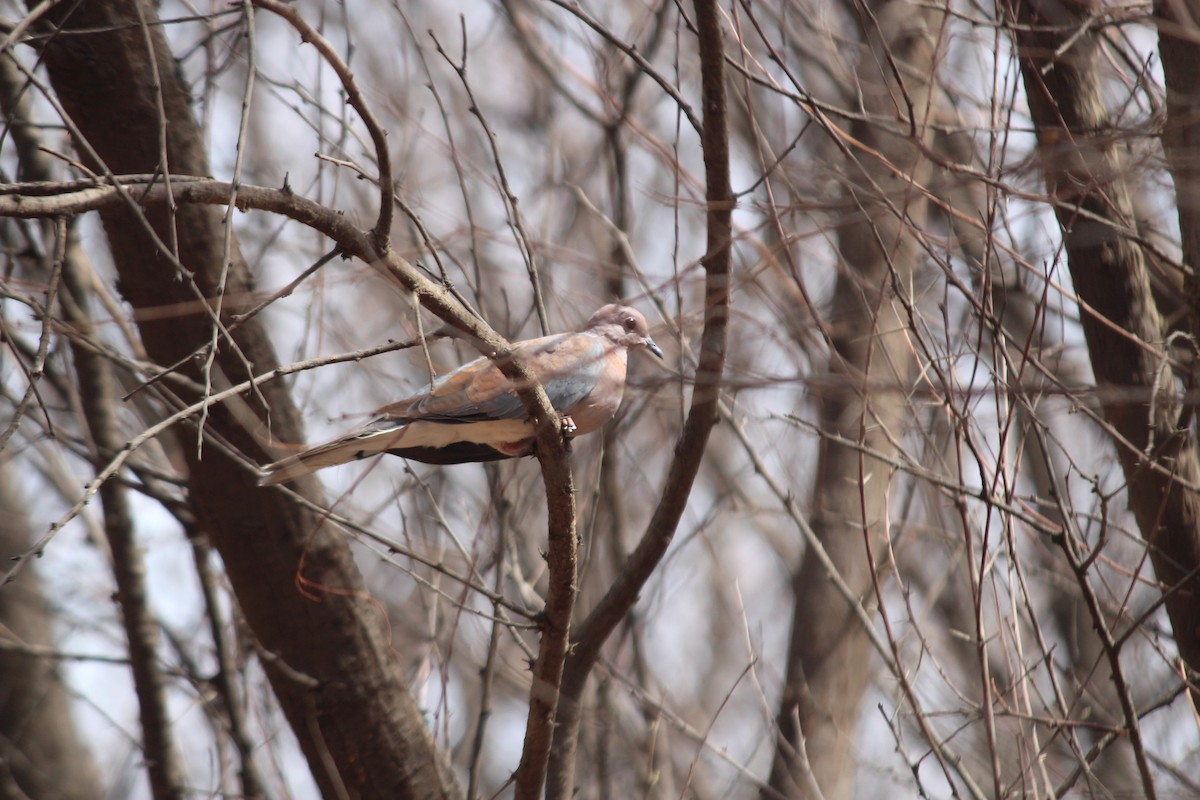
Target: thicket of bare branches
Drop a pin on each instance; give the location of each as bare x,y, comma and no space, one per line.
913,508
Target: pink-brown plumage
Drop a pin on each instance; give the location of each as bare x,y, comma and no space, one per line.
474,414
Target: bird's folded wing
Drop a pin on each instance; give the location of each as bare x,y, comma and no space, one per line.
567,365
471,414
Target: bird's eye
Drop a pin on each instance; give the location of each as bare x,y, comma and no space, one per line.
630,323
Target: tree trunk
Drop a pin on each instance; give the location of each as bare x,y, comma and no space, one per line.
328,658
829,661
1121,323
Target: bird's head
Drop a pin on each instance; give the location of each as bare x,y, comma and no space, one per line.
623,326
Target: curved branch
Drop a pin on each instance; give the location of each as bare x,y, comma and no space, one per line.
40,200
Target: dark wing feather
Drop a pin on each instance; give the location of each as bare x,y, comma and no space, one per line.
457,453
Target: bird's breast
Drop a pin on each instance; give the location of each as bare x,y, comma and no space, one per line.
595,410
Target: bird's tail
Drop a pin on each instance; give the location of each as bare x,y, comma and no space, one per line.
367,442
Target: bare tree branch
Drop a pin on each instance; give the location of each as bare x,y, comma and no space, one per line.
382,233
595,629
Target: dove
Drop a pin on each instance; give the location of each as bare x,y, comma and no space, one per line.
473,413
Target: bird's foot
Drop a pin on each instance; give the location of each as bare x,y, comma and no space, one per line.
568,427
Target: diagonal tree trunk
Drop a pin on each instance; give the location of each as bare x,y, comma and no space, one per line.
1121,323
328,661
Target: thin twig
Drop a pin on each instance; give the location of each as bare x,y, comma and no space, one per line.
354,96
516,220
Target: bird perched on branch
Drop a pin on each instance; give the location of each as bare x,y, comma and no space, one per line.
474,414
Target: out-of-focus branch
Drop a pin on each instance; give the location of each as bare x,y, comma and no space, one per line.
40,753
225,679
634,55
516,221
97,392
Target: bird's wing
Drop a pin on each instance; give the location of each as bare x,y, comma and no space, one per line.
568,365
471,414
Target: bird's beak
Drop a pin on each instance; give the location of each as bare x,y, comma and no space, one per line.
653,348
